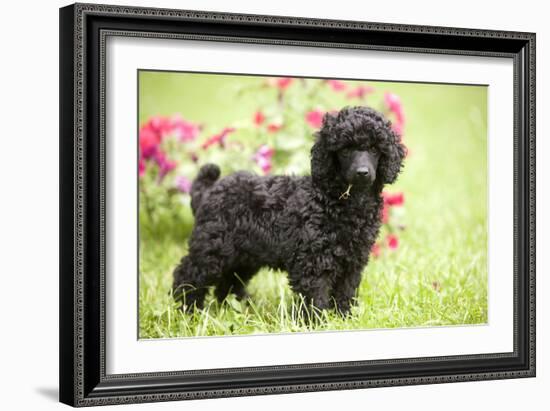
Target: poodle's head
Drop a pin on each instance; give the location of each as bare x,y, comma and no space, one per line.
356,146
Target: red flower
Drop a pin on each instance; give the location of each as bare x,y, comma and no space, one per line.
273,127
360,92
393,241
315,118
375,250
218,138
259,118
396,199
283,82
337,85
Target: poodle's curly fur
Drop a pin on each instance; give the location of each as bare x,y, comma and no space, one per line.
306,226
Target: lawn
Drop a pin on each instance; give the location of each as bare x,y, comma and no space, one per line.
437,275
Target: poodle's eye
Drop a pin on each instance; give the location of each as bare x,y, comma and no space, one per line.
373,150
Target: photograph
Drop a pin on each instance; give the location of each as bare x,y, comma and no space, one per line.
259,204
285,204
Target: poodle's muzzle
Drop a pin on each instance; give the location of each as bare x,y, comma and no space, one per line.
361,169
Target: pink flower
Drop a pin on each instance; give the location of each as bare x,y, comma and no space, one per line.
161,125
263,157
183,184
394,105
393,102
360,92
398,128
264,164
265,151
393,241
157,128
218,138
337,85
259,118
274,127
184,130
396,199
315,118
385,214
375,250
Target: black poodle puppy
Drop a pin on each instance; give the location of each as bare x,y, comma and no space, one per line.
318,228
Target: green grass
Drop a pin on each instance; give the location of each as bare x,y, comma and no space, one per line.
437,276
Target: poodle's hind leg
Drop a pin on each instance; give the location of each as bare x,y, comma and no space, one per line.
191,282
234,281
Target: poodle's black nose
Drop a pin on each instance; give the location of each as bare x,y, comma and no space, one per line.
362,172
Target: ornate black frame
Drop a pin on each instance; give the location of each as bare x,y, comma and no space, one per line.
83,30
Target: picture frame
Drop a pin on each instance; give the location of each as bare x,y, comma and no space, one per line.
84,30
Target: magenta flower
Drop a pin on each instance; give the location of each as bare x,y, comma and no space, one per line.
183,184
394,105
263,157
165,165
218,138
149,141
141,167
315,118
265,151
152,133
360,92
337,85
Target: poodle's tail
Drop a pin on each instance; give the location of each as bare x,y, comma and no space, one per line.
208,174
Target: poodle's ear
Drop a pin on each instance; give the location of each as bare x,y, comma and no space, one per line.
322,159
327,134
393,151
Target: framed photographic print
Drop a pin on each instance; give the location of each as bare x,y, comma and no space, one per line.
261,204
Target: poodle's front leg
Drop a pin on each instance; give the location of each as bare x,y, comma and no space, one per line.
314,286
345,289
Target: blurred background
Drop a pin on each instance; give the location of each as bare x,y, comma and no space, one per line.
427,268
